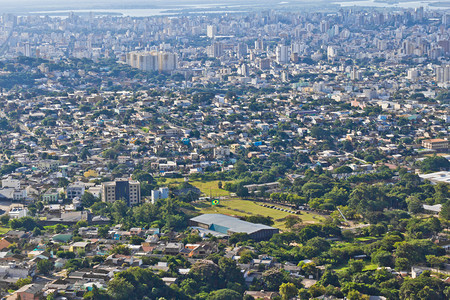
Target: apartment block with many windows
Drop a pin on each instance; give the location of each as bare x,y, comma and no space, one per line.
122,189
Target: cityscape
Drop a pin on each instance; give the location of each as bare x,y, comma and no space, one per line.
209,151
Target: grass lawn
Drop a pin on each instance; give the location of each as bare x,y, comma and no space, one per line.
367,267
240,207
206,187
370,267
4,230
366,238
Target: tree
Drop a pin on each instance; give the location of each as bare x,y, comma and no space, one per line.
355,295
81,223
441,192
119,210
355,266
434,163
383,258
119,288
4,219
136,283
121,249
273,278
207,273
367,198
423,287
103,231
329,277
291,220
288,290
37,231
402,264
436,261
136,240
224,294
230,272
241,191
445,210
26,223
313,190
304,294
343,170
87,200
414,205
23,281
44,266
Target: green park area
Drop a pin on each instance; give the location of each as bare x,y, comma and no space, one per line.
206,187
240,207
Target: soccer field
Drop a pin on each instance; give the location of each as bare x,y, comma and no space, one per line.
240,207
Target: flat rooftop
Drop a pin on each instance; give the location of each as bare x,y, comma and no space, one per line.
442,176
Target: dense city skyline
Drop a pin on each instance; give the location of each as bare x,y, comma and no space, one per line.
183,151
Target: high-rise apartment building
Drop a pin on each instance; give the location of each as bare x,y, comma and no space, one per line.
152,61
282,54
122,189
211,31
413,74
443,74
355,74
215,50
331,52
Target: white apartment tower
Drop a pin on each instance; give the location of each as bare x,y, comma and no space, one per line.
282,54
211,31
161,193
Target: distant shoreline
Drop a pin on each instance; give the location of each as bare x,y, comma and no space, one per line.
171,8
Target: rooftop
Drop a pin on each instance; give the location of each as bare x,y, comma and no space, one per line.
231,223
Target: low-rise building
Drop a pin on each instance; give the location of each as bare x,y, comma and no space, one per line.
440,145
75,190
161,193
228,225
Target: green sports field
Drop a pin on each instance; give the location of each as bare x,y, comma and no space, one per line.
240,207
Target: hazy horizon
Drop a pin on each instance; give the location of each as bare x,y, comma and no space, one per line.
30,6
25,6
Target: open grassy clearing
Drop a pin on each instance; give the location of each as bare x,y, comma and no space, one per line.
241,207
4,230
206,187
368,266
